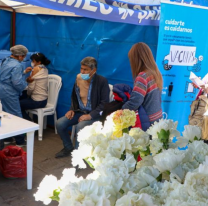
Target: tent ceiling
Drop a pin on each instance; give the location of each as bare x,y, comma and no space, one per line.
30,9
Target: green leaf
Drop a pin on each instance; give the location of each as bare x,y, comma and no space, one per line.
125,130
56,195
121,191
163,136
123,156
195,138
91,165
159,178
146,152
136,154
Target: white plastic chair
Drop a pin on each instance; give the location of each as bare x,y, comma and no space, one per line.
111,98
54,86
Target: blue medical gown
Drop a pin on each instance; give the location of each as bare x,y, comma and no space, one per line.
12,83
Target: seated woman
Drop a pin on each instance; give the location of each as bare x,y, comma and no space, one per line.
37,89
148,82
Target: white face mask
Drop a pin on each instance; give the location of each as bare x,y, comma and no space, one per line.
32,64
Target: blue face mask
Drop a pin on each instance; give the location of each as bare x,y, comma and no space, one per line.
85,76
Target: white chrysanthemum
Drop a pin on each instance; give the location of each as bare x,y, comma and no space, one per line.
146,161
140,179
199,150
155,146
90,131
85,192
141,139
68,176
168,159
197,185
130,162
191,132
116,147
165,124
46,188
132,199
84,151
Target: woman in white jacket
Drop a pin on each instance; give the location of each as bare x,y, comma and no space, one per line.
37,90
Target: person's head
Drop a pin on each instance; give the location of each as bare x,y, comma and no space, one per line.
141,59
39,58
88,67
19,52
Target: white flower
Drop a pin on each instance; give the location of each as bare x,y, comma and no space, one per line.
84,151
89,131
140,179
46,188
146,161
132,199
191,132
130,162
155,146
68,176
141,139
197,185
85,192
199,150
116,147
167,125
168,159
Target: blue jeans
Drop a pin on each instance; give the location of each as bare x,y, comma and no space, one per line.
29,103
62,128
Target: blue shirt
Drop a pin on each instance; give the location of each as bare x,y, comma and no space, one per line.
88,106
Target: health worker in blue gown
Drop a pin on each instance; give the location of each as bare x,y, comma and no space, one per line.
12,82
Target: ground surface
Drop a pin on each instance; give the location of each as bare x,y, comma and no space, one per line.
14,192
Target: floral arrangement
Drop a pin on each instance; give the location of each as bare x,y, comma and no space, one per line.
166,176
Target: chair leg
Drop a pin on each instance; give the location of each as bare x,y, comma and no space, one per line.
55,120
40,122
45,122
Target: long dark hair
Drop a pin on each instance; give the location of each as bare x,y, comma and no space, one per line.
142,60
39,57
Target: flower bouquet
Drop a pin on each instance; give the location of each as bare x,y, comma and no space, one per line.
166,176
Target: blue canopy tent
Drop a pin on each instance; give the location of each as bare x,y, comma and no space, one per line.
67,40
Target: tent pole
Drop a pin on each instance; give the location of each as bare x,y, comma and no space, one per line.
13,27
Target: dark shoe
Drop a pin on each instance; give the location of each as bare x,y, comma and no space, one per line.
9,141
22,144
63,153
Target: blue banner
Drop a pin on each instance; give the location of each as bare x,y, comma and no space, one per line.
182,48
109,10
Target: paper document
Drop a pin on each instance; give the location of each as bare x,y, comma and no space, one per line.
196,80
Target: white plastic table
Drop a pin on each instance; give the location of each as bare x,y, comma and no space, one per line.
13,125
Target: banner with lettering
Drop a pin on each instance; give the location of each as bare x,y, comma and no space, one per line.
108,10
182,48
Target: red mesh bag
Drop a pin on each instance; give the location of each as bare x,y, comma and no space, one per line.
13,162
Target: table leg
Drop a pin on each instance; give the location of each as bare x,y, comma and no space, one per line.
30,147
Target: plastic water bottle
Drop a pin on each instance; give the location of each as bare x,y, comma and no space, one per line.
0,107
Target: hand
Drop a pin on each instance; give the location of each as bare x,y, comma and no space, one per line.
85,117
29,80
28,69
203,86
69,114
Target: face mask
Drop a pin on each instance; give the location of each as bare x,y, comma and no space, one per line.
85,76
32,64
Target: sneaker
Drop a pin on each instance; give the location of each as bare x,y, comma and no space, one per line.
63,153
22,144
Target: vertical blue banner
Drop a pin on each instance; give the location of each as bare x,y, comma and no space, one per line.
182,48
